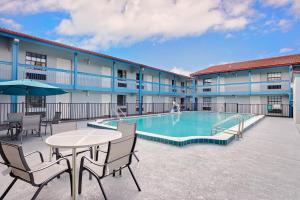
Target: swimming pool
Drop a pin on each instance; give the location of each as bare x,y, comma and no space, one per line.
179,124
181,128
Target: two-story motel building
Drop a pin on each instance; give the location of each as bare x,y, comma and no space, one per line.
259,82
92,77
88,76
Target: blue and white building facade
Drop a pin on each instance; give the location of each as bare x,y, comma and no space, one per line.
91,77
88,76
256,87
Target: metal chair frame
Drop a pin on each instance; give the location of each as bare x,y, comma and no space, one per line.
30,172
105,165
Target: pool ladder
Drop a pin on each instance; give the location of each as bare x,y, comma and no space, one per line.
217,127
117,113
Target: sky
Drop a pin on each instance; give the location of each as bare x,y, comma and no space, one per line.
182,36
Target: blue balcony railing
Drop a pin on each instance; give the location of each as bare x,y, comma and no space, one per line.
126,85
166,89
245,88
56,76
95,82
67,79
150,87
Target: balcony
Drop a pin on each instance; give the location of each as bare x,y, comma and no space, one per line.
93,81
126,85
245,88
55,76
150,87
87,81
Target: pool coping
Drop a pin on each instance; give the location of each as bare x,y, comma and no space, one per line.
221,138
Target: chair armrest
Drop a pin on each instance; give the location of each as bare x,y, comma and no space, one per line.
119,158
36,152
51,164
46,122
101,151
90,160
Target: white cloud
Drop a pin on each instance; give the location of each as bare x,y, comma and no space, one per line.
277,24
31,6
286,50
284,24
277,3
293,5
229,35
119,22
179,70
9,23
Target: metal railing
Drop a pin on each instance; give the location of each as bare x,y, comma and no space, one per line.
245,88
260,109
221,125
81,111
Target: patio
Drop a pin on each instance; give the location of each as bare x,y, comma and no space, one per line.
263,165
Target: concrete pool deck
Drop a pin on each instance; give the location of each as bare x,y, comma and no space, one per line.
265,165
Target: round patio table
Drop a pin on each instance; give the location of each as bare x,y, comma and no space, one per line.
81,139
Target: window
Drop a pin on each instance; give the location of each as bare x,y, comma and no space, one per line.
173,82
137,77
36,59
36,76
206,103
274,100
35,101
121,100
207,81
182,87
274,76
206,89
274,104
182,101
173,85
274,87
122,74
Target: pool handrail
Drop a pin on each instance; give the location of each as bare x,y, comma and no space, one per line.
217,127
117,112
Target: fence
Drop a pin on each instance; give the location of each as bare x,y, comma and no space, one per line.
283,110
80,111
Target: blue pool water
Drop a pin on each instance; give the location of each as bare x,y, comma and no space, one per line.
180,124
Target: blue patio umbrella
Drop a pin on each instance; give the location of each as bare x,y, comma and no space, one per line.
29,88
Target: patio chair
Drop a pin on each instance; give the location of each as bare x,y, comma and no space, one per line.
15,120
58,154
30,123
55,120
38,176
42,114
15,116
127,129
118,157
